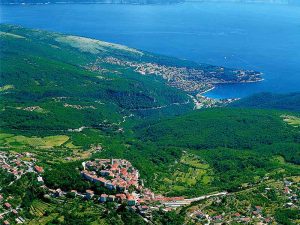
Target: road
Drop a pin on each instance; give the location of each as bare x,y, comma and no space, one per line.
190,200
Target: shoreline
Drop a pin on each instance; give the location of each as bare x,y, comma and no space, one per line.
227,83
239,82
208,90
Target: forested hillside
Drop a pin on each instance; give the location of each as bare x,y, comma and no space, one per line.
46,85
231,141
290,102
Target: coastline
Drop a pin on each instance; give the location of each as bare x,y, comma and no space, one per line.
208,90
225,84
240,82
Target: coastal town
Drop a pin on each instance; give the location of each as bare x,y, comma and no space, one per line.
196,82
191,80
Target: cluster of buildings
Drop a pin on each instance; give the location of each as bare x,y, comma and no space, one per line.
79,106
180,77
292,193
16,164
287,190
201,216
189,79
114,174
120,176
32,108
7,212
13,163
127,198
255,216
202,101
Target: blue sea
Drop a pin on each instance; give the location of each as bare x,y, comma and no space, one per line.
263,37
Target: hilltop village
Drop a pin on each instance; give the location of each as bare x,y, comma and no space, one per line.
124,187
119,176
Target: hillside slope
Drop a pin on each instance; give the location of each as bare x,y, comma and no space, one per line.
46,84
289,102
238,144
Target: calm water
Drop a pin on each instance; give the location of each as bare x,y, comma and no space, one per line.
253,36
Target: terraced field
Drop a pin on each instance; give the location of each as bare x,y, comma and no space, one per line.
191,170
38,207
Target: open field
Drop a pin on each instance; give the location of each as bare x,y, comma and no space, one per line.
20,141
6,87
292,120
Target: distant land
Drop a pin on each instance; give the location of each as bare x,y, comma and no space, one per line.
141,2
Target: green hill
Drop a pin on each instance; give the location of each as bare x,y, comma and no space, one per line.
234,128
237,144
47,82
289,102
